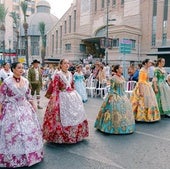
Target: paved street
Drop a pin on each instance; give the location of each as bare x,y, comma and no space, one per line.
147,148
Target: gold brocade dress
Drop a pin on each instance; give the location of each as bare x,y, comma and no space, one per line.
145,107
115,115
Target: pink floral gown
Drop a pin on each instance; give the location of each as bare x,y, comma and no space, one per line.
20,133
65,119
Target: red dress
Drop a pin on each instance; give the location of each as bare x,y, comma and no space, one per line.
70,126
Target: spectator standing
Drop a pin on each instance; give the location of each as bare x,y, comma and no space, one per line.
5,72
35,79
151,70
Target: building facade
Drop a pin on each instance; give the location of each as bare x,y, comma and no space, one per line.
101,27
9,37
35,40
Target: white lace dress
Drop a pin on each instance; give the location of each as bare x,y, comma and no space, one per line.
20,132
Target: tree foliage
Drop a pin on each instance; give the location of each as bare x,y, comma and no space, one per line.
42,32
3,13
24,7
15,18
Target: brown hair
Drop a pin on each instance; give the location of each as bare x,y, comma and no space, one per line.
115,68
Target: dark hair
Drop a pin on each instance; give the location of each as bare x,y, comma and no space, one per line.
4,64
115,68
61,61
158,61
145,61
140,65
14,65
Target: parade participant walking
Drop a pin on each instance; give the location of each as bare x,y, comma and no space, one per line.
65,119
115,115
161,88
20,133
35,79
168,79
143,98
79,82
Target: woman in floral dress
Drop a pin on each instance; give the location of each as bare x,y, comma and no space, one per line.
79,82
115,115
21,141
161,88
143,98
65,119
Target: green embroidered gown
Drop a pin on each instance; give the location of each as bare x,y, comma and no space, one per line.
163,95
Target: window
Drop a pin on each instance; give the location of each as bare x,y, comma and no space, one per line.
153,39
75,21
115,42
113,2
82,48
65,27
133,43
102,3
95,6
61,36
122,2
56,40
108,2
68,47
164,39
154,7
17,1
35,45
52,43
165,11
69,24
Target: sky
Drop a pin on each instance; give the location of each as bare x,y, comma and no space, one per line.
59,7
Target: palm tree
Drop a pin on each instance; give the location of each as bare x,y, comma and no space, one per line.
43,38
16,18
3,13
24,7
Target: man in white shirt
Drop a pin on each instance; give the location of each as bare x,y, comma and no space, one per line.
5,72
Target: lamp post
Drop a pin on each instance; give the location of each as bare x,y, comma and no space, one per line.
9,40
107,22
107,30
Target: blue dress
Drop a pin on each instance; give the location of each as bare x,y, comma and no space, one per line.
115,115
80,85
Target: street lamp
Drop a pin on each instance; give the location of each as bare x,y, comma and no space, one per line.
9,40
107,31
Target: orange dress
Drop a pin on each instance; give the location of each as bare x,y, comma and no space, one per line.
145,107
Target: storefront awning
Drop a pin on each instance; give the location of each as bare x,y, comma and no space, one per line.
93,39
159,53
51,60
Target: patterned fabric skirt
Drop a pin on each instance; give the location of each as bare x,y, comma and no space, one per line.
115,115
21,141
163,98
145,107
54,131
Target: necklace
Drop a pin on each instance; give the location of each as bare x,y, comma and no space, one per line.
17,79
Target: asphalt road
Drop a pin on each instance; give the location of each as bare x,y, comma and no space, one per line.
147,148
